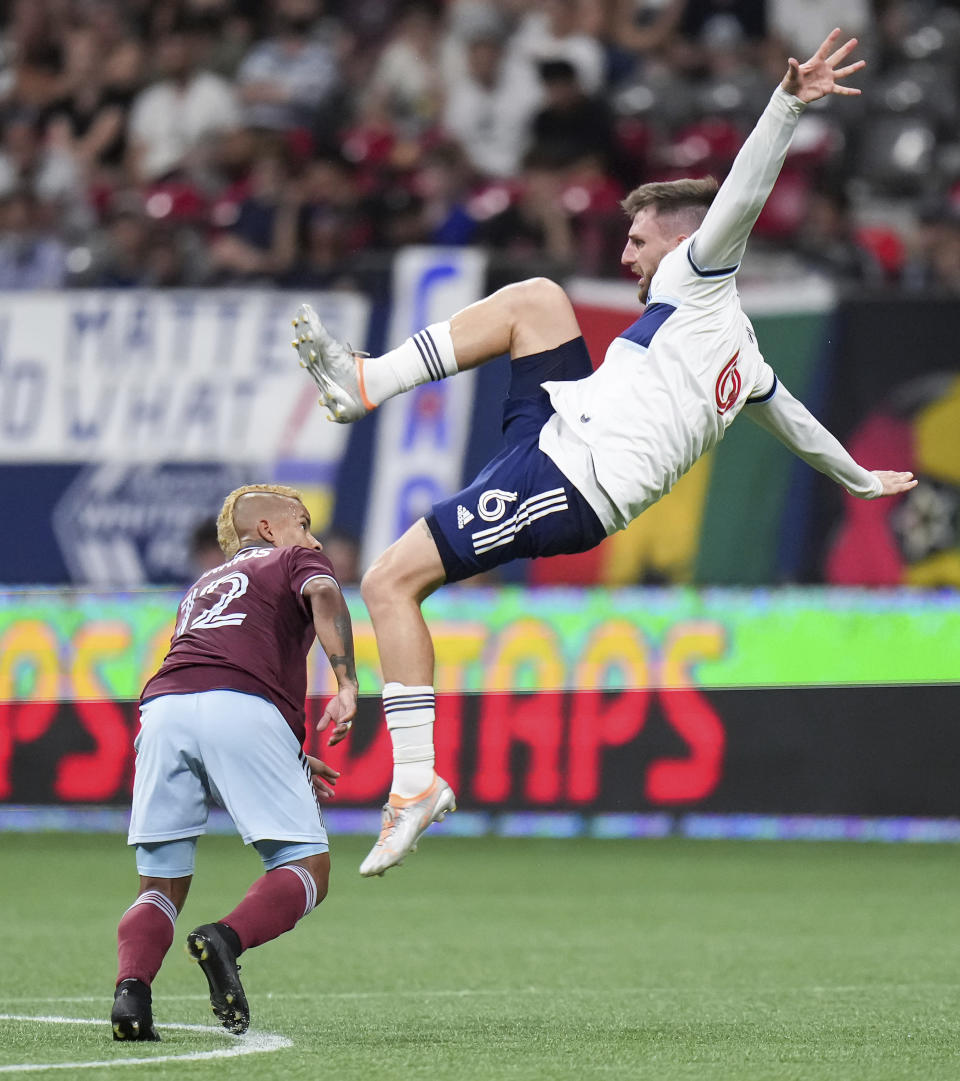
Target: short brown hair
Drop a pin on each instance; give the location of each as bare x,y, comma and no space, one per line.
227,536
688,199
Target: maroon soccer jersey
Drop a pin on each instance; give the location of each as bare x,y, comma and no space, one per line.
246,626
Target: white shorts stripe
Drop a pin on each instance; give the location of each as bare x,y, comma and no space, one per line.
552,494
530,512
512,535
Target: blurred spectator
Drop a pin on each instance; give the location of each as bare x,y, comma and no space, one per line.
572,126
557,31
204,551
121,262
136,251
536,226
38,77
334,225
797,28
645,26
714,22
827,240
442,183
343,551
173,119
48,171
489,105
224,31
286,80
405,85
934,261
30,256
261,241
89,123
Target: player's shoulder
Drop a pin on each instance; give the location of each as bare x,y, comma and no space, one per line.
300,560
679,279
676,268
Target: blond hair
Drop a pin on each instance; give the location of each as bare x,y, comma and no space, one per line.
686,200
227,536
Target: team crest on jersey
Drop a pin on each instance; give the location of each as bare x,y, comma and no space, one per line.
464,517
728,385
492,504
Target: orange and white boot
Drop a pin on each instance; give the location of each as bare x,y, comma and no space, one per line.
404,821
335,369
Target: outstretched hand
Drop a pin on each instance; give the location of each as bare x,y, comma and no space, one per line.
894,483
819,75
340,711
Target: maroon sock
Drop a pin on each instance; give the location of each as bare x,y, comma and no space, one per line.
273,904
144,936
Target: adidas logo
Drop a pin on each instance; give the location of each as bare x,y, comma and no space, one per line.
464,517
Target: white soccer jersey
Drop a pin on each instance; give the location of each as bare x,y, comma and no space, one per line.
672,383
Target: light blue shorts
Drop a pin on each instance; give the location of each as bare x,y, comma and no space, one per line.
220,748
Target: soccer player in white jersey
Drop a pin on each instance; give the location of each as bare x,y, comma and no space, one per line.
586,452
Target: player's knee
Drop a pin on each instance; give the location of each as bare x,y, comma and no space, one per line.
322,879
539,296
375,585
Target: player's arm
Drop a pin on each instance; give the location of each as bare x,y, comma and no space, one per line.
331,621
720,241
800,431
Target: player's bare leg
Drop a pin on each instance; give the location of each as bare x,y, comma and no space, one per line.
521,319
393,590
144,937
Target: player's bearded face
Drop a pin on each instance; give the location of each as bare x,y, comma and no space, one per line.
646,245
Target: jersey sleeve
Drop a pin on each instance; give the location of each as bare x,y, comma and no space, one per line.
305,564
718,245
799,430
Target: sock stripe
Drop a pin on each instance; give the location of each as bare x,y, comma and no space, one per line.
310,887
158,900
393,707
434,352
420,696
433,369
432,347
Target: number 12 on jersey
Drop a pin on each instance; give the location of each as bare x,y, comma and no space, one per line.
230,587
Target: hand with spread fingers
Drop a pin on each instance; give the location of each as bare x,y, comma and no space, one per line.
820,75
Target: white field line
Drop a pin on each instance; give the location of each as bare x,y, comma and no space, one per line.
466,992
253,1043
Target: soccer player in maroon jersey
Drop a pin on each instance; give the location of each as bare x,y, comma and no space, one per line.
223,722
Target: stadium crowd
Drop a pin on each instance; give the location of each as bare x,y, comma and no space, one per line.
298,142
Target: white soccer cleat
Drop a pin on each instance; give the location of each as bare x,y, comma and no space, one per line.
404,821
332,366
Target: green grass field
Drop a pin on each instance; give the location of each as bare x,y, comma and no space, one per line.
504,959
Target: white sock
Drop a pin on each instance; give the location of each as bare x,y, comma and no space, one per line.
424,358
410,712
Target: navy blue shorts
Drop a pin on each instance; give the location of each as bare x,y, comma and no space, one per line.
520,505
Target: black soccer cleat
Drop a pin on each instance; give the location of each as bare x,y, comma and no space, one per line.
208,946
132,1016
